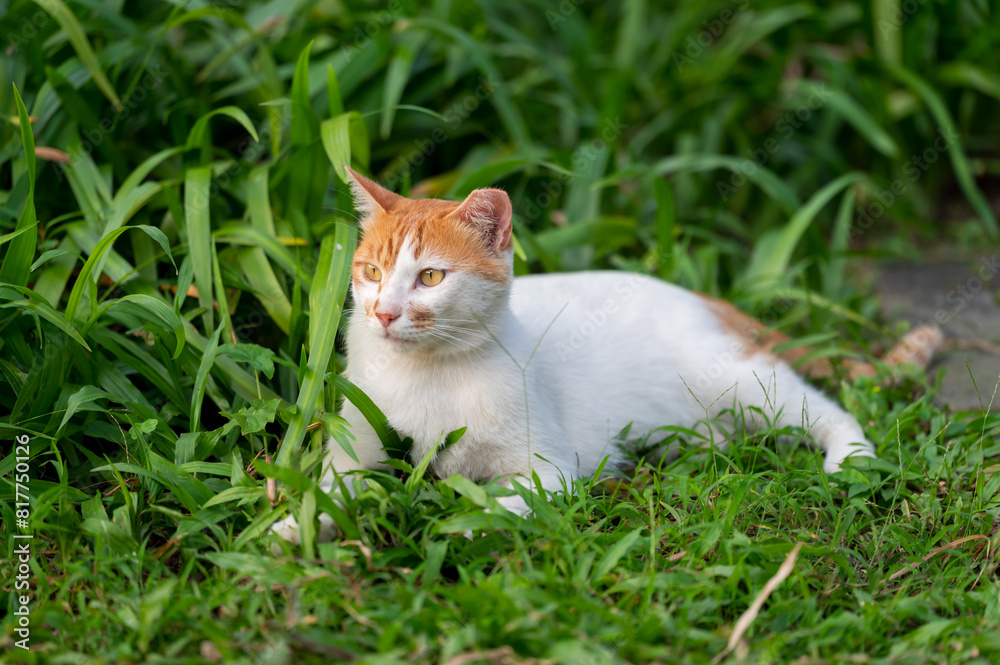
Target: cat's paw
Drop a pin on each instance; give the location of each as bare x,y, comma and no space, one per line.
288,530
834,457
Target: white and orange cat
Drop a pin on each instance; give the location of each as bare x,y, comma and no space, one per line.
545,371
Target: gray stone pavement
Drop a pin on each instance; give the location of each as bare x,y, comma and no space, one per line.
963,297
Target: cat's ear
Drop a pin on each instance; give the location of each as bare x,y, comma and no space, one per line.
370,198
489,211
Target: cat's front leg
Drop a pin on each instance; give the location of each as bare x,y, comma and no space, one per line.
338,462
552,481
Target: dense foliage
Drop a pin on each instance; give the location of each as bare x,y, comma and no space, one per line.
175,232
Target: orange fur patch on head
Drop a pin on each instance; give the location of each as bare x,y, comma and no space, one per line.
431,233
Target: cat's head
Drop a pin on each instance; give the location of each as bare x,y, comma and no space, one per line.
431,275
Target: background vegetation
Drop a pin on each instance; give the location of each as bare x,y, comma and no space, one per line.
175,233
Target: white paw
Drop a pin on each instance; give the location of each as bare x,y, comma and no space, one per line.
288,530
837,455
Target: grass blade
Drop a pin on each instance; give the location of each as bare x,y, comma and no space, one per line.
199,236
326,300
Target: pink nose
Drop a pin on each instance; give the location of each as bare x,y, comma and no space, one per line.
386,318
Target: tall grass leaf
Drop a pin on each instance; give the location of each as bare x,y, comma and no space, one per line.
344,137
253,237
435,553
18,258
307,524
491,82
198,391
764,178
749,29
665,225
304,122
139,174
266,287
241,381
840,243
631,29
326,302
956,151
972,76
887,32
146,307
81,397
256,268
52,254
486,176
615,553
199,236
7,237
58,10
773,254
334,100
197,136
859,118
389,438
234,494
221,298
396,76
37,307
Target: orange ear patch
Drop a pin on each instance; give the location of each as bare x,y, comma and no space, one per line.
431,229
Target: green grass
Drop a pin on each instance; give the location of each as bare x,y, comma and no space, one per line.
170,297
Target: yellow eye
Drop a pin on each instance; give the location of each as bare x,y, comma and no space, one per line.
373,273
431,277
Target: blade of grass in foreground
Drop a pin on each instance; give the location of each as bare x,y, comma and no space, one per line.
196,219
326,302
14,269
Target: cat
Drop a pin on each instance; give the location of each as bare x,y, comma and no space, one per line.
545,371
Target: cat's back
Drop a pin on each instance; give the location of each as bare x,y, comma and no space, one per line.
606,304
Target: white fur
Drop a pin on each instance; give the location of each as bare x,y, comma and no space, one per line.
613,349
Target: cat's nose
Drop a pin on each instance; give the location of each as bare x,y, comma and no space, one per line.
386,318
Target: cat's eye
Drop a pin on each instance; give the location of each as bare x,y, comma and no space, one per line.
431,277
373,273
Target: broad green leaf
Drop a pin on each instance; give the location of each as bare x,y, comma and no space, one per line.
78,400
254,355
